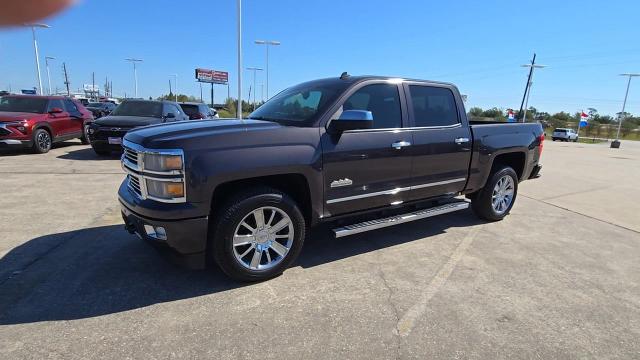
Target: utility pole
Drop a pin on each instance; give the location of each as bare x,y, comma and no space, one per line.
624,105
170,87
527,90
200,91
212,95
66,78
267,43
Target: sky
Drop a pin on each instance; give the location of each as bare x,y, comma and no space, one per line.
477,45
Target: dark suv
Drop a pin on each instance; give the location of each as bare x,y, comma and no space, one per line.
198,111
101,109
106,133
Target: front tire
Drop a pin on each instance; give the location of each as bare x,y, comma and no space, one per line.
497,197
257,234
41,141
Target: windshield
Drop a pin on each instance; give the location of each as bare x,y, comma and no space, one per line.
299,105
23,104
139,108
96,105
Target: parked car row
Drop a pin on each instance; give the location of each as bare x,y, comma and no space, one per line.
36,122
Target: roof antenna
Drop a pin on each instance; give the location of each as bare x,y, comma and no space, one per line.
344,76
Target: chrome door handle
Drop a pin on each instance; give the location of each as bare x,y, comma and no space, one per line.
461,140
400,144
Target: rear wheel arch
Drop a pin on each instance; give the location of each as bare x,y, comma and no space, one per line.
515,160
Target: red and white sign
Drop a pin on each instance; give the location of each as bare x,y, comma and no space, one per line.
212,76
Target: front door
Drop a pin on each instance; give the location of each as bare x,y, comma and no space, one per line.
370,168
442,142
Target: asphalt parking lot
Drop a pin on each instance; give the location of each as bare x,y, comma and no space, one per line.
558,278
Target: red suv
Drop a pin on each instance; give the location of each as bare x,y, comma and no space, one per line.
36,122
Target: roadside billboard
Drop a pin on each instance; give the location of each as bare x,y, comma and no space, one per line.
212,76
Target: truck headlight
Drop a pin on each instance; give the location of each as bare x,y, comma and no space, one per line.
162,162
165,189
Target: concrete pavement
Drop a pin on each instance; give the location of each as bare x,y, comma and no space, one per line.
558,278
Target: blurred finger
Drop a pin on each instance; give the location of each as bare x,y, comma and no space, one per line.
17,12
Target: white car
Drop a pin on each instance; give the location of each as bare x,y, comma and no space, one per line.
564,135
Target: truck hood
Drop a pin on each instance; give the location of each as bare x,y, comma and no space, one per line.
188,133
127,121
8,116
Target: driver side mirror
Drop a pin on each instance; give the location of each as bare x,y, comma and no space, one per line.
352,120
55,110
170,116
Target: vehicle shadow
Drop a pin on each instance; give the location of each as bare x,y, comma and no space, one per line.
19,151
104,270
87,154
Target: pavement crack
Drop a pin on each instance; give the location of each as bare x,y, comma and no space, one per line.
396,312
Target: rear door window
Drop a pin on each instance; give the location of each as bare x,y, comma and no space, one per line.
71,108
433,106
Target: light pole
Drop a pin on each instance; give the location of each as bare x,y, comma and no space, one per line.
176,85
135,74
46,62
526,103
35,49
266,43
254,69
239,15
624,104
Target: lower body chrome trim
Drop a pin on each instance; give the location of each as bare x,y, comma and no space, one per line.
399,219
395,191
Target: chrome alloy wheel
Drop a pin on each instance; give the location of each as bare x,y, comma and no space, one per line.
263,238
44,140
502,195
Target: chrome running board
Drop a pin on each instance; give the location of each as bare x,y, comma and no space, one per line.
399,219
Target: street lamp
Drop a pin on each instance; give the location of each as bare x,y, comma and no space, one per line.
616,143
254,69
239,30
135,73
526,103
176,85
46,62
35,49
266,43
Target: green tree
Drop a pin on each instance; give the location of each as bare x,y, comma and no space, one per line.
475,112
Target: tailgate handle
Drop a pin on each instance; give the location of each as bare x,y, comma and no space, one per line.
461,140
400,144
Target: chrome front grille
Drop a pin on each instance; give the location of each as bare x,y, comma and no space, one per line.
134,184
131,156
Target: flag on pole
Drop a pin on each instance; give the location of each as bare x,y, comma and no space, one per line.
511,117
584,119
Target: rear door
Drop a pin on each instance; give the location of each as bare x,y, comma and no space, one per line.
60,122
442,140
76,118
362,168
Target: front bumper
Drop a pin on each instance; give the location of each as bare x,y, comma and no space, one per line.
186,239
13,143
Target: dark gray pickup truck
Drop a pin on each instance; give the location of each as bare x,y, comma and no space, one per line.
359,152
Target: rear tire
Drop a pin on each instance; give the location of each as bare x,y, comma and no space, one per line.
257,234
497,197
41,141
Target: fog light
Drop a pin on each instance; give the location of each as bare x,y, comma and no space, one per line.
157,232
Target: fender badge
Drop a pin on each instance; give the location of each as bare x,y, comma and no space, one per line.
341,182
